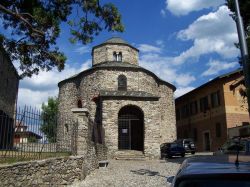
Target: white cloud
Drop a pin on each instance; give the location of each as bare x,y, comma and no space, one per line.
33,98
145,48
82,50
212,33
184,79
36,90
182,90
160,43
163,67
216,66
184,7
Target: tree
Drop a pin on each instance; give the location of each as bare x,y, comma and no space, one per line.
35,27
245,14
49,116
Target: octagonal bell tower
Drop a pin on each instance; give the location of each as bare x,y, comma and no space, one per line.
114,49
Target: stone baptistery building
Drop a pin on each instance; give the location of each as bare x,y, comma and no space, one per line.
134,108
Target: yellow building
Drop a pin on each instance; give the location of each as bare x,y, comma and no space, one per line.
209,112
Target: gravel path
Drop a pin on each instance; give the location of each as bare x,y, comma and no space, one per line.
120,173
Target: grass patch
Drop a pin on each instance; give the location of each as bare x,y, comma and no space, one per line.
9,157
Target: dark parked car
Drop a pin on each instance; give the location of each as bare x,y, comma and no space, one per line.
172,149
188,144
215,171
232,146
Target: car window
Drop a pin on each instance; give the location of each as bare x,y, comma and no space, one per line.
187,142
173,145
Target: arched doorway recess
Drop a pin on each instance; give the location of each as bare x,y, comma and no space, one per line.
131,128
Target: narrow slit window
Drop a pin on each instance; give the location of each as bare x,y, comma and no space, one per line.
122,83
79,103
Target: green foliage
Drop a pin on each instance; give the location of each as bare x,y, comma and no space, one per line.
245,14
49,114
35,27
32,139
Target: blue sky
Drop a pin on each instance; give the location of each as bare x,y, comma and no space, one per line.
186,43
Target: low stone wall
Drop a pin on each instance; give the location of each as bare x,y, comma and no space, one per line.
49,172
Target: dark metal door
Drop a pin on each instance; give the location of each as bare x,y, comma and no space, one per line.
128,134
130,129
124,134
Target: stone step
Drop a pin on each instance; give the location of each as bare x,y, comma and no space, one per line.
129,152
129,158
129,155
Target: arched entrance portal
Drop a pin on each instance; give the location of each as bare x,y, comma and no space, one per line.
131,128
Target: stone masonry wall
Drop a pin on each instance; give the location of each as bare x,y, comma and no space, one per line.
50,172
85,88
167,114
159,115
68,97
9,82
151,125
105,53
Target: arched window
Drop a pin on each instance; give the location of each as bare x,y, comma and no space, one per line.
122,83
114,56
79,103
119,57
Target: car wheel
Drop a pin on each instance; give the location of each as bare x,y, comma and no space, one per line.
169,156
182,155
193,152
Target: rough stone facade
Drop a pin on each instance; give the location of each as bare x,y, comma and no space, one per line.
9,81
97,91
50,172
104,53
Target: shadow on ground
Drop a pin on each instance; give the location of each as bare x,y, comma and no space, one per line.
177,160
146,172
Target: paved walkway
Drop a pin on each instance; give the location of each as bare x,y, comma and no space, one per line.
131,173
121,173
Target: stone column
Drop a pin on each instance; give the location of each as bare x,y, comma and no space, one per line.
81,114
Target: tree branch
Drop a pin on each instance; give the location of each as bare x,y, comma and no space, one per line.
18,16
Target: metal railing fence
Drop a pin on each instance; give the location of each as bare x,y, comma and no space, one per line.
32,134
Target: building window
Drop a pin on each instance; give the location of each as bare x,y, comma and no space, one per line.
114,56
178,114
117,56
185,111
79,103
204,104
122,83
66,128
218,130
215,99
244,123
195,136
193,108
7,83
